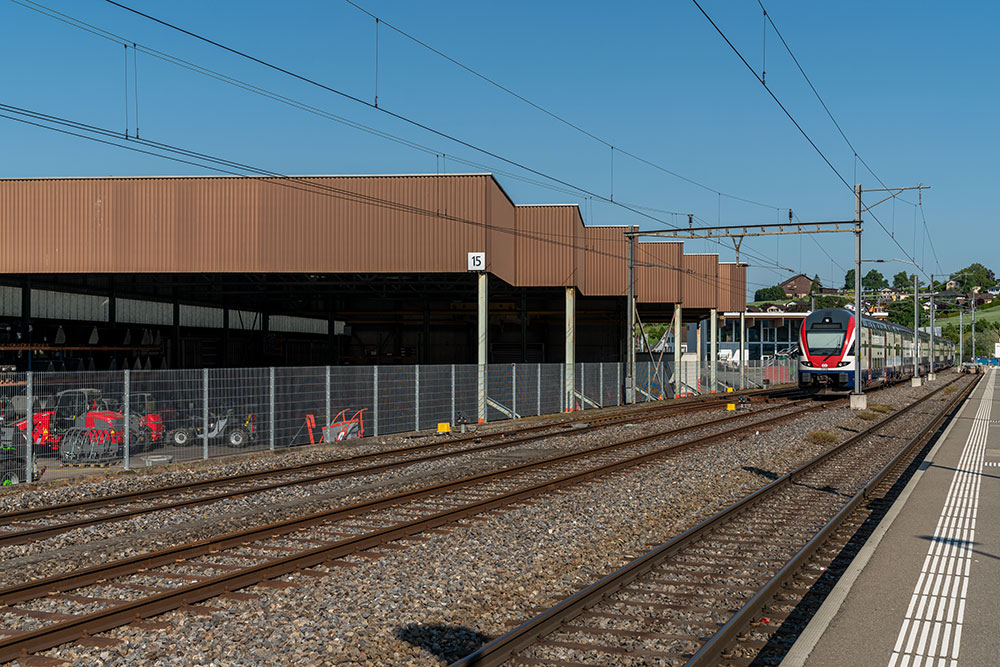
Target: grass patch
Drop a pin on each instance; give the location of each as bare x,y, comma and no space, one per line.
868,415
821,438
878,407
950,388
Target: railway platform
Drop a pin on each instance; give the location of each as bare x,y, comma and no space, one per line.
923,590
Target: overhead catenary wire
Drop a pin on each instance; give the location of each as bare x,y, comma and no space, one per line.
575,191
797,125
233,168
548,112
398,116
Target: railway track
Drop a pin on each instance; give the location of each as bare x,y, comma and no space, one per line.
30,525
120,592
687,601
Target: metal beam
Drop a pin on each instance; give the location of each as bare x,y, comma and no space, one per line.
732,231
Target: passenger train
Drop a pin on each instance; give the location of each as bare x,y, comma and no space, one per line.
827,359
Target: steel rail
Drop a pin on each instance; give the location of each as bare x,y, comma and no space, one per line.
600,421
506,646
28,535
68,630
712,650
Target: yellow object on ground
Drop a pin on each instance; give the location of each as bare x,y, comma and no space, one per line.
729,390
730,407
444,427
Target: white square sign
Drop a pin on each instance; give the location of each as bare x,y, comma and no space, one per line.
477,261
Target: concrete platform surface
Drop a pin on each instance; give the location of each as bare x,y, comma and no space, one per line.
925,591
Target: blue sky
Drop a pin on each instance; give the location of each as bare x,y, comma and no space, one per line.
913,85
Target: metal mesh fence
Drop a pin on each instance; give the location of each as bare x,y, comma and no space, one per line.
144,417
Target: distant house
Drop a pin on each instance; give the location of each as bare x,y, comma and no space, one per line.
951,285
773,308
829,291
797,286
887,294
995,290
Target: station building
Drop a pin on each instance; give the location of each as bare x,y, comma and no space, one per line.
192,272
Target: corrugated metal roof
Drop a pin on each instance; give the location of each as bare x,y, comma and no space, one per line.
325,224
700,281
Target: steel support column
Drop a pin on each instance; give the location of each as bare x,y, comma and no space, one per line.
482,332
570,386
743,347
713,351
858,399
915,380
678,315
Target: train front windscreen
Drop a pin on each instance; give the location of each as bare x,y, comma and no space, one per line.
826,332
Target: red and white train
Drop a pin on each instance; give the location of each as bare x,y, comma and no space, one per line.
828,359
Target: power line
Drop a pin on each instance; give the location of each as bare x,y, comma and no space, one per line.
548,112
857,156
381,109
221,165
100,32
797,126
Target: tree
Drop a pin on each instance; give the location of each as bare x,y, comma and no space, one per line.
974,275
873,281
816,285
849,280
829,301
775,293
901,312
902,281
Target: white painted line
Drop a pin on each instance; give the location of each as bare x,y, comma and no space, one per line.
798,655
949,554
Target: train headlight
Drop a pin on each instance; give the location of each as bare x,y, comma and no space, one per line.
841,364
807,364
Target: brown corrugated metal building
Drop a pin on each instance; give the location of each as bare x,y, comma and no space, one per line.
362,269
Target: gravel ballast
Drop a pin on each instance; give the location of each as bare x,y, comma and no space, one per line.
446,593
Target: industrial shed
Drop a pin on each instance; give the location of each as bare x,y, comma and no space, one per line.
241,271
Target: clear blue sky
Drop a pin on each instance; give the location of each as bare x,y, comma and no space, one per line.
913,85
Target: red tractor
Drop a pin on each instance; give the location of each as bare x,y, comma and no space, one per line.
88,416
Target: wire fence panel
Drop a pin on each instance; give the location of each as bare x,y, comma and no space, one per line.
239,414
170,404
396,399
435,396
299,406
352,402
499,391
552,388
17,461
526,386
466,397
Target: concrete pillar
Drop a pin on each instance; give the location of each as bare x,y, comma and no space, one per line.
570,376
713,351
482,328
678,314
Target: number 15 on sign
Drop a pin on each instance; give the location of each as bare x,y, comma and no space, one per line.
477,261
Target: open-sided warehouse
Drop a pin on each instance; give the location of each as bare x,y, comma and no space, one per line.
208,272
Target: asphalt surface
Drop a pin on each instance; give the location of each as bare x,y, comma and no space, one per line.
928,594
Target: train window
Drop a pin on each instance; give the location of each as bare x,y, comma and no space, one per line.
825,342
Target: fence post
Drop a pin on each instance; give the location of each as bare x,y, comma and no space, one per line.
618,384
271,405
600,386
329,417
538,390
583,388
29,457
416,397
375,400
562,385
453,394
204,412
513,391
128,418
